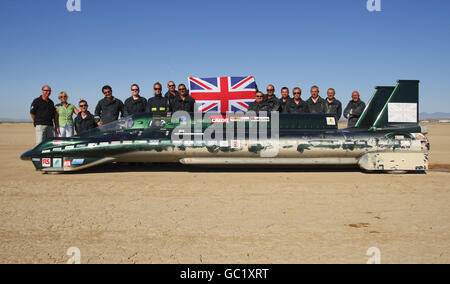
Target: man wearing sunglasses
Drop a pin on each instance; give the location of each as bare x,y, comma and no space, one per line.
171,95
297,105
258,104
44,116
271,100
84,121
109,108
157,104
135,103
183,102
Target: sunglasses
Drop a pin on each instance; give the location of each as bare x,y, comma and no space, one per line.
157,89
260,96
270,90
171,86
47,90
135,90
83,105
297,93
182,89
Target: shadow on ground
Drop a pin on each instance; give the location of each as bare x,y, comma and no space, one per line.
147,167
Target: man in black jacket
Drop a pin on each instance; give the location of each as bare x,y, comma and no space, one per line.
271,100
258,104
315,103
84,121
285,99
333,106
183,102
354,109
109,108
135,103
158,104
297,105
171,95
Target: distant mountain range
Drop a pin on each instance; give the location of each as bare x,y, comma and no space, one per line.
3,119
435,115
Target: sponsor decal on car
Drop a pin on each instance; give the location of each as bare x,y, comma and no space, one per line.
57,163
153,142
57,149
36,160
67,164
239,118
127,142
77,161
92,145
46,151
260,119
236,144
220,119
331,121
69,147
46,162
57,142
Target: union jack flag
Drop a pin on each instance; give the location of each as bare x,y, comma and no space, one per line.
223,94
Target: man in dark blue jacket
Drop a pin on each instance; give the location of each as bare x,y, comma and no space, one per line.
158,104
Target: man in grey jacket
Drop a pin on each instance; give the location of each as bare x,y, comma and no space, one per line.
354,109
109,108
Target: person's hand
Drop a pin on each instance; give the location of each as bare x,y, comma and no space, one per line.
99,123
58,131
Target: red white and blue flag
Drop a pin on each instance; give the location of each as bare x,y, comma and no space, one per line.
223,94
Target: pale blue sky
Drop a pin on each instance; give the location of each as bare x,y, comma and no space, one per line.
329,43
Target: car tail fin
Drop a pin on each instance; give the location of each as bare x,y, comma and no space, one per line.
392,107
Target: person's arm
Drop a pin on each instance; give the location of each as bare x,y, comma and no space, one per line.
98,113
347,111
76,111
75,124
33,111
56,122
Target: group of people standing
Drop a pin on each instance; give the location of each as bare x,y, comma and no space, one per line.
50,120
315,104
